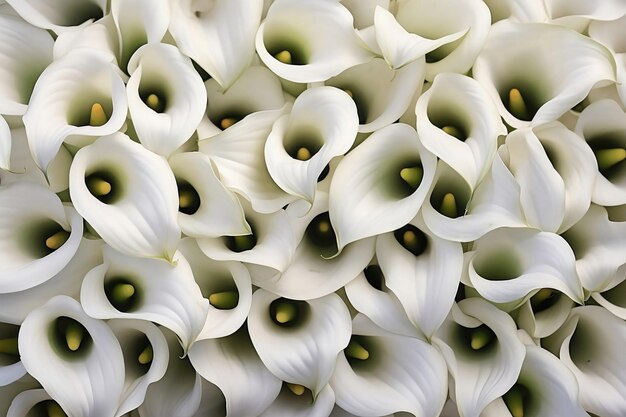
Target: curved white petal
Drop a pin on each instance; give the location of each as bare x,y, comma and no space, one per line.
234,366
163,293
517,10
425,283
29,402
9,392
508,264
25,52
480,376
66,14
287,404
323,122
87,381
5,145
218,35
213,402
219,211
563,11
368,195
302,350
162,71
550,79
459,102
214,277
318,36
542,317
11,367
31,215
138,215
64,96
400,374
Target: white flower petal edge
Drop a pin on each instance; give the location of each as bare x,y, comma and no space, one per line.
299,341
399,374
136,178
368,194
5,145
11,367
25,401
166,97
65,16
161,292
77,359
323,123
100,37
540,321
38,235
288,404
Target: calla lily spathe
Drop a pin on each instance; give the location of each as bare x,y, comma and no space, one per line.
67,15
11,367
290,404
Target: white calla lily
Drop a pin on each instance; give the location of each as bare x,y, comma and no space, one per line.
380,185
218,35
381,373
100,36
32,402
234,366
65,16
544,313
9,392
532,86
38,235
147,289
309,42
298,341
81,96
11,367
609,34
77,359
26,52
484,355
113,174
323,123
613,297
578,13
292,402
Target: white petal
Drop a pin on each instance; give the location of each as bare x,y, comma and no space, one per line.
401,374
64,95
213,402
140,217
218,35
561,11
320,39
368,195
64,16
87,381
30,214
16,389
613,298
25,403
324,122
162,71
549,317
232,364
163,293
287,404
100,36
304,349
5,145
11,367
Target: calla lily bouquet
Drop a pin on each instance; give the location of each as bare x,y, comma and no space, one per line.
312,208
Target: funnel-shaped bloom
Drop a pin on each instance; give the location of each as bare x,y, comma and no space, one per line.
62,16
544,313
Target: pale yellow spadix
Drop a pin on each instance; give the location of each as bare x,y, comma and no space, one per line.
285,312
145,357
303,154
412,175
409,238
122,292
284,57
517,105
514,401
224,300
185,199
55,410
297,389
356,351
97,116
607,158
57,240
73,337
323,227
99,187
227,122
448,205
453,131
480,338
153,102
8,346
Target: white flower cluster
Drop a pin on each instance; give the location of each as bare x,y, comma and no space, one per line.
312,207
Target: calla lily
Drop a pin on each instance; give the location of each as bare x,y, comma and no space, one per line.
5,145
26,52
66,15
205,206
608,33
298,341
532,86
602,124
309,42
458,122
322,124
115,173
380,185
613,297
11,367
147,289
38,235
225,284
590,345
380,93
508,264
544,313
9,392
80,96
423,271
381,373
578,13
33,402
294,401
484,355
77,359
234,366
206,33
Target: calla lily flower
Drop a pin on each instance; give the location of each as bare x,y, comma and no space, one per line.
532,86
115,173
298,341
77,359
9,392
323,123
309,42
544,313
579,13
11,367
100,36
613,297
207,33
380,185
294,401
33,402
38,235
146,289
234,366
66,15
484,355
80,96
26,52
380,373
608,33
590,345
